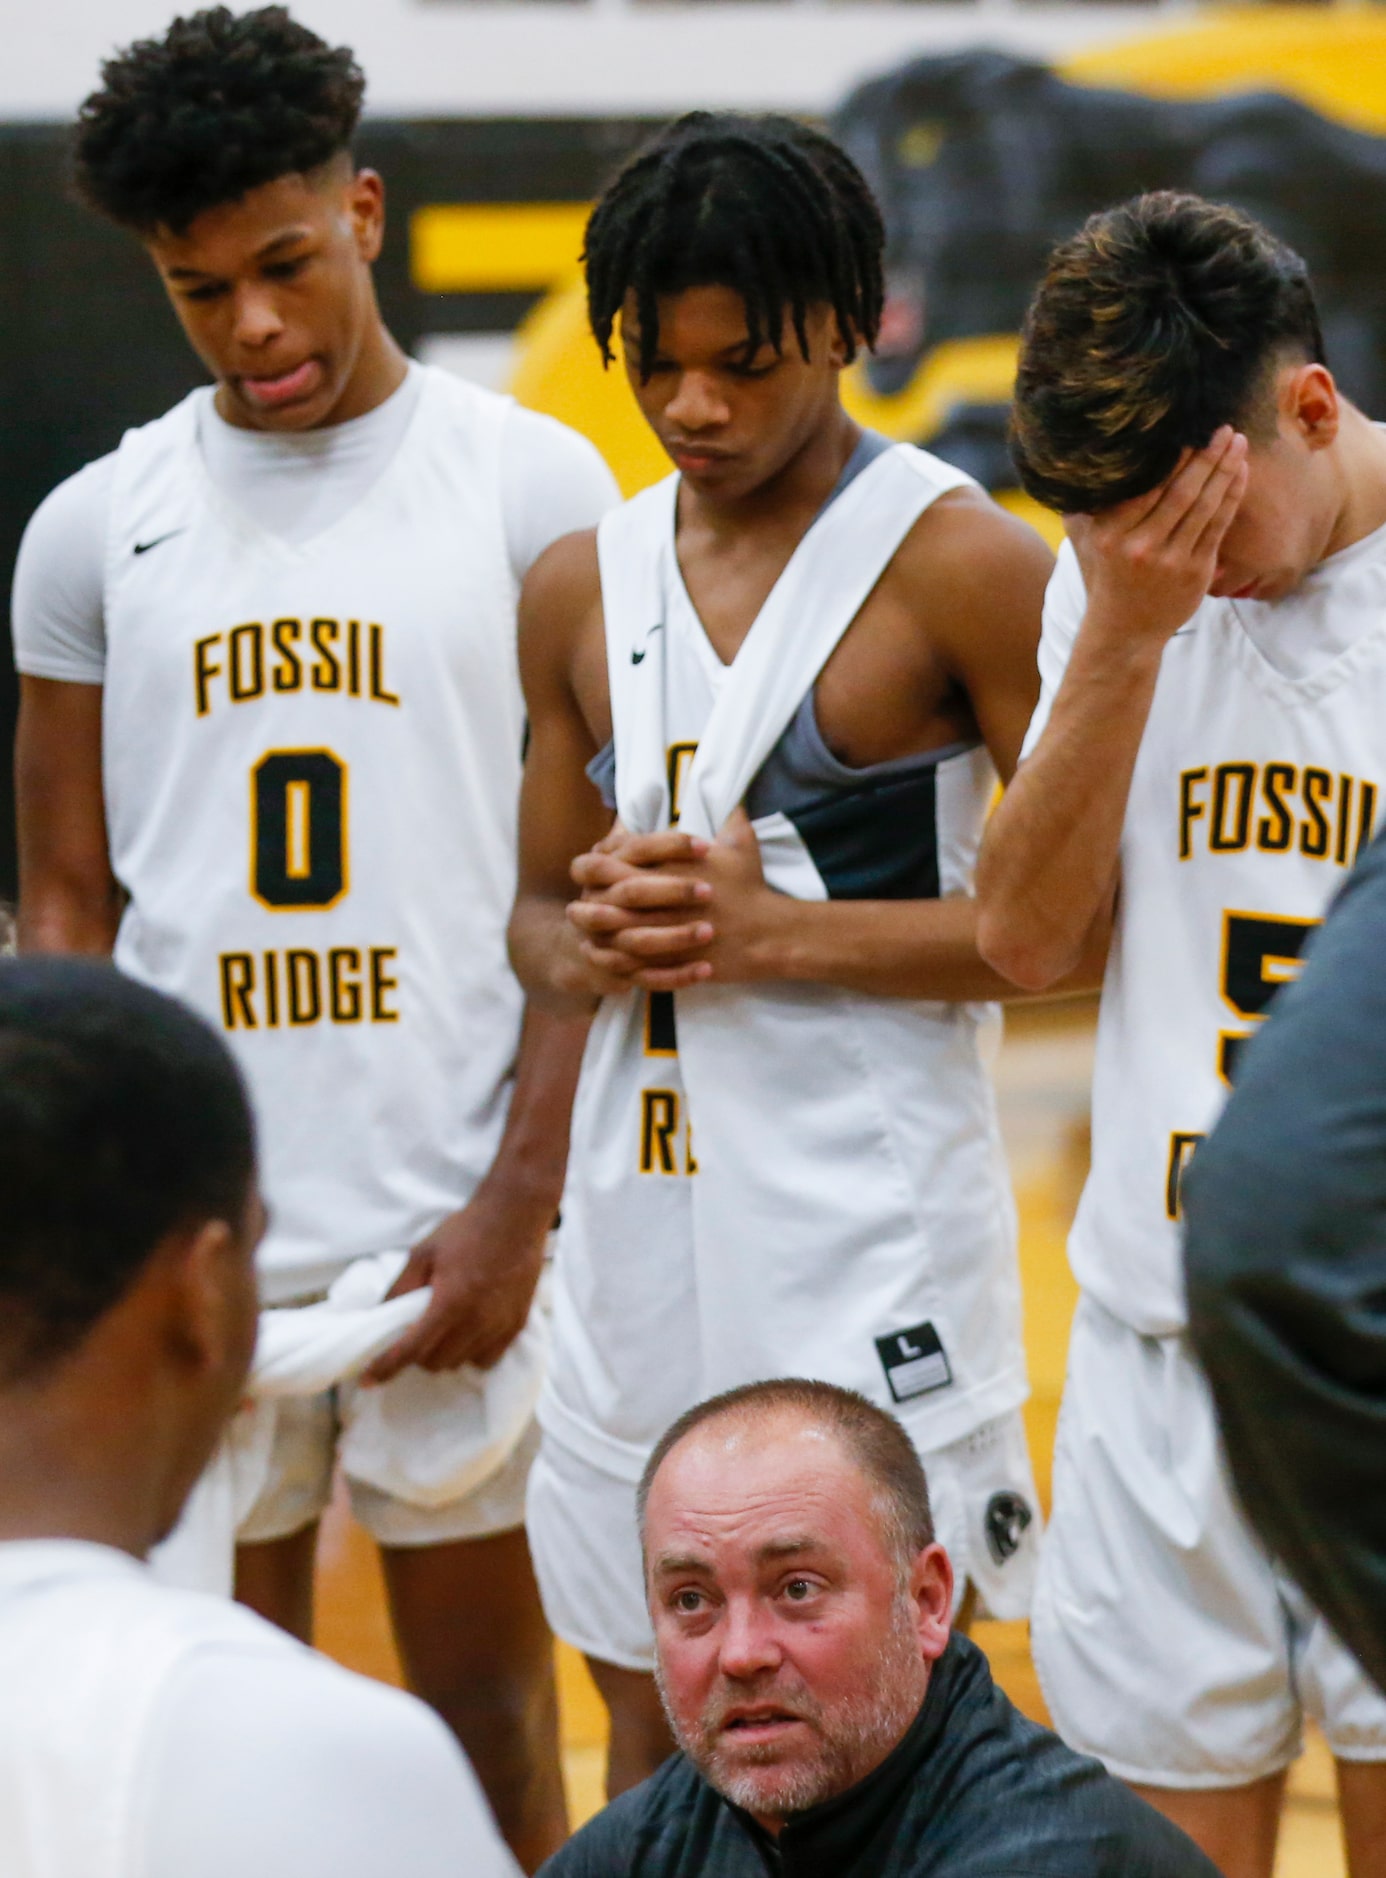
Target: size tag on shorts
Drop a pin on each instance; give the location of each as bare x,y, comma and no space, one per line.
914,1361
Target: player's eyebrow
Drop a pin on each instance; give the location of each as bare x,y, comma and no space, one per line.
284,240
287,239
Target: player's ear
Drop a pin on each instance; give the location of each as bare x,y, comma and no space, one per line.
1309,398
366,206
209,1294
841,344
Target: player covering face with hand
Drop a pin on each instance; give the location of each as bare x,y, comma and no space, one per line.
1207,758
269,753
768,699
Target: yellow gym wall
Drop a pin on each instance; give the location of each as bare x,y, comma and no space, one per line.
1334,61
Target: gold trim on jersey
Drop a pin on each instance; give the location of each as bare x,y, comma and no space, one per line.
1181,1152
336,658
677,760
662,1125
1333,820
299,831
1253,967
301,986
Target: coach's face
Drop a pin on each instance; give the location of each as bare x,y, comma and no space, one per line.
1285,524
730,415
275,294
793,1648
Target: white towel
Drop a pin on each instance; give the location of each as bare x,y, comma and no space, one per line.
427,1439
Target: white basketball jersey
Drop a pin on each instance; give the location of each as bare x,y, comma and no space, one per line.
1252,795
151,1733
312,759
780,1179
88,1642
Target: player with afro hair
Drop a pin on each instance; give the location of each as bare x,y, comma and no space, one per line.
218,106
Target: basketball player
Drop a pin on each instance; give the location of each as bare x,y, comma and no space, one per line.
147,1731
269,750
1208,756
812,651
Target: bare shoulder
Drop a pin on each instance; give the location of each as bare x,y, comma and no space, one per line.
971,578
561,630
561,599
969,544
565,576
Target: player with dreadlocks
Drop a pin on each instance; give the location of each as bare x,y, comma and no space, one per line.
269,755
768,702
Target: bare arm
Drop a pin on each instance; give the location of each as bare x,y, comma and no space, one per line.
561,812
888,948
984,579
484,1261
982,576
1047,876
68,897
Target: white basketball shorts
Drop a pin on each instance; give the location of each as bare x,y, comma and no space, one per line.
586,1550
1168,1643
428,1458
306,1436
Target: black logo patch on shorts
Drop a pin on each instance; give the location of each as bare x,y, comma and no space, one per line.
1008,1515
914,1362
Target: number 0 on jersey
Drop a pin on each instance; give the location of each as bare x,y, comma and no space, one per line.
298,829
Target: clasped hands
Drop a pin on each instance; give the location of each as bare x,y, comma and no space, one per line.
669,910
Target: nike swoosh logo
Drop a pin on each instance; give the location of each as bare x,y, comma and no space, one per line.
638,658
143,547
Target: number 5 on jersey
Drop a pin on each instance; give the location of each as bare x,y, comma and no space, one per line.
298,830
1260,953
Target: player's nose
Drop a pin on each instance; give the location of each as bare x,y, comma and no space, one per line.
696,403
257,317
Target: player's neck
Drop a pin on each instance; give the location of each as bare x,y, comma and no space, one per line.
73,1466
1361,508
380,371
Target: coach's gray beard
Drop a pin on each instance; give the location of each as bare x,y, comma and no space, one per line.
856,1738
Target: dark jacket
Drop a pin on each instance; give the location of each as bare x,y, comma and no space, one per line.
973,1791
1285,1249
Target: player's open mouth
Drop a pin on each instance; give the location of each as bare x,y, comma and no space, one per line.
286,388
